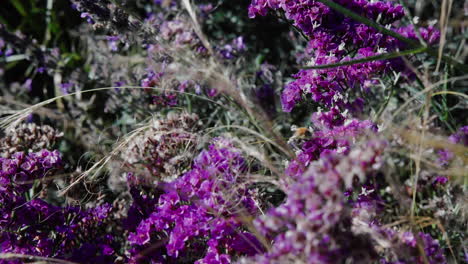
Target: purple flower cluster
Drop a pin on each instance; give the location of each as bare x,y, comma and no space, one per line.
4,49
19,172
232,50
66,87
335,38
172,88
327,141
406,244
168,97
167,148
198,217
460,137
306,13
35,227
446,157
314,223
179,32
28,137
318,224
113,42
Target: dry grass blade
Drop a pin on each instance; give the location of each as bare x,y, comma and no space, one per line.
13,120
443,22
419,94
433,141
450,92
252,132
188,6
98,166
33,259
251,151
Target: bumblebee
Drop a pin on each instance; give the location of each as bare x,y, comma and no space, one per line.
301,134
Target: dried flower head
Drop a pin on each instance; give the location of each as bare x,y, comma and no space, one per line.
28,137
167,148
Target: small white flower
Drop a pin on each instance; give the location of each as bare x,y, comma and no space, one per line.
341,149
342,46
348,121
381,50
315,25
311,62
379,18
345,113
366,192
432,22
337,97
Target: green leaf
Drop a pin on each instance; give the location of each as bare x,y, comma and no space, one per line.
3,21
19,7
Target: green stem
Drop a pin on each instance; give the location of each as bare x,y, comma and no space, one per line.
385,56
410,19
47,35
385,104
283,17
367,21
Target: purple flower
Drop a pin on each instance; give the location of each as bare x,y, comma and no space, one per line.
440,180
445,156
66,87
41,69
332,35
28,84
194,211
113,42
239,44
334,138
38,228
461,137
88,17
9,52
230,51
313,225
107,250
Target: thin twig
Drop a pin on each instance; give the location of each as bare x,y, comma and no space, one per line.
385,56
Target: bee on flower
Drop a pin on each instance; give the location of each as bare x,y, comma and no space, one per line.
301,134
